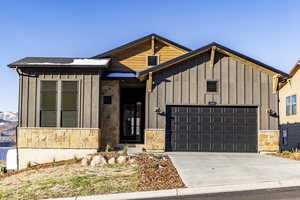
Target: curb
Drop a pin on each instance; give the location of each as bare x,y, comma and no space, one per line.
190,191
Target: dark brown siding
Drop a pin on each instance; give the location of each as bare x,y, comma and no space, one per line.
89,103
238,84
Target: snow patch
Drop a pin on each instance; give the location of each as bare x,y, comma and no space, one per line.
78,61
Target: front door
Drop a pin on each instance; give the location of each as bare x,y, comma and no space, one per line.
132,116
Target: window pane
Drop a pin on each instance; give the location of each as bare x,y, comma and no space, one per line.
69,119
288,105
69,101
48,118
48,86
69,113
294,104
152,60
69,86
48,102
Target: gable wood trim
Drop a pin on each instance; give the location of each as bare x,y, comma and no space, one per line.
143,74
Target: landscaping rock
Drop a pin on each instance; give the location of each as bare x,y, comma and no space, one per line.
85,162
132,161
111,161
98,161
121,159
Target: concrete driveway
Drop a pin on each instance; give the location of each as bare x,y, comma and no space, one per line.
216,169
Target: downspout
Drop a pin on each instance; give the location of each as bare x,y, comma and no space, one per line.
20,73
17,148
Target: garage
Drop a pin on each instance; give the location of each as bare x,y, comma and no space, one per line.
211,128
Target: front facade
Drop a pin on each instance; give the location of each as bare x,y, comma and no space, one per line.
290,111
151,91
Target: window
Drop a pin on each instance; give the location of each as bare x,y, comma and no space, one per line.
69,104
65,92
294,105
48,103
288,105
106,99
291,105
211,86
152,60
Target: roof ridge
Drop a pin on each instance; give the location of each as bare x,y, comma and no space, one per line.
139,40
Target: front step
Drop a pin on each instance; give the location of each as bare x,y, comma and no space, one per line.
132,148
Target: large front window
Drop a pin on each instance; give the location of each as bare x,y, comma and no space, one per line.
63,114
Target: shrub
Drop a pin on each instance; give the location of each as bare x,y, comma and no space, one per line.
285,153
29,164
125,151
108,148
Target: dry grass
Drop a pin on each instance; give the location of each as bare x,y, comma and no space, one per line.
68,181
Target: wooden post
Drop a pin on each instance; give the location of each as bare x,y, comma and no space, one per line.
153,45
149,83
212,56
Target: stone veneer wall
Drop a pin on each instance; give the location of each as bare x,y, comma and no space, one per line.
155,139
110,113
59,138
268,140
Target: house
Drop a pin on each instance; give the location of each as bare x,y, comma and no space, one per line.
289,94
151,91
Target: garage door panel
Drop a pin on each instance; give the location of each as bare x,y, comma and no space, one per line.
211,128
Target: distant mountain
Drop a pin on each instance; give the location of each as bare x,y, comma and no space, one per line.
8,123
8,116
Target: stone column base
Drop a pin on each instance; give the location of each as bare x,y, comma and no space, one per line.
155,140
268,141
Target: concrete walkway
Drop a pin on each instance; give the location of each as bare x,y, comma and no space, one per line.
220,169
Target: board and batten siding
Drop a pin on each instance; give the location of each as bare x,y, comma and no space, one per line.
89,96
185,84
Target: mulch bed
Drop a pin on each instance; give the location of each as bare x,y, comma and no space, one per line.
158,173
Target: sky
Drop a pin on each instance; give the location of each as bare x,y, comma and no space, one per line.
267,30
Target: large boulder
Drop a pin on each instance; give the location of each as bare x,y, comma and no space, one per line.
111,161
98,161
121,159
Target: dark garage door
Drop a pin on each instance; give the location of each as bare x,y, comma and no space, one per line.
211,128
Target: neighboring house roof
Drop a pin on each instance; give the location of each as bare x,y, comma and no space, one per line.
135,42
206,48
59,62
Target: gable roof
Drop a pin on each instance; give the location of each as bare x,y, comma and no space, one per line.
135,42
59,62
295,69
206,48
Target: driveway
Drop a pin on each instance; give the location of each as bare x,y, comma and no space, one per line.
215,169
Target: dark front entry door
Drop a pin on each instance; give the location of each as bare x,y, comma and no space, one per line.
211,129
132,116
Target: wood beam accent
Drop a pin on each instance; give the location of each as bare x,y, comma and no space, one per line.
149,83
167,43
275,82
212,56
153,45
